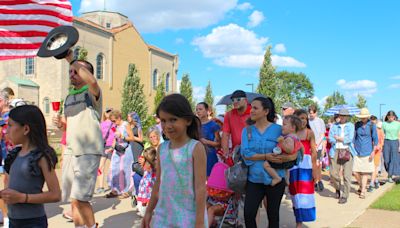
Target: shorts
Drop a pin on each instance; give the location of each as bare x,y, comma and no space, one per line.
106,155
40,222
79,176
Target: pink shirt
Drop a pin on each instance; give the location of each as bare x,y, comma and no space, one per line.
105,125
234,124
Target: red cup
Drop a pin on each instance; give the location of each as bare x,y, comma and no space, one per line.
56,105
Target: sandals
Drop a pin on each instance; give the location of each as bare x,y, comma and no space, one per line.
362,195
124,196
111,195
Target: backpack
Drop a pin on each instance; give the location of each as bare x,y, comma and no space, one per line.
237,174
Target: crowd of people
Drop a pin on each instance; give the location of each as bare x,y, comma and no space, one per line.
174,172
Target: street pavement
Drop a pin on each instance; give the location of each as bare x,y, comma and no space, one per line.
119,214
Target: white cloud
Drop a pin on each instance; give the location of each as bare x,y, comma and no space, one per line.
162,15
397,77
320,102
244,6
235,46
179,41
286,61
363,87
255,19
280,48
240,61
230,40
394,86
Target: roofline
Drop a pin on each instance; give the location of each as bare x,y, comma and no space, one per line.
155,48
106,11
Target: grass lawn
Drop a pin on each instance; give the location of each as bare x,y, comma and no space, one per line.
390,201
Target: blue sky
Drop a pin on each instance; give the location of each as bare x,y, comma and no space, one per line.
349,46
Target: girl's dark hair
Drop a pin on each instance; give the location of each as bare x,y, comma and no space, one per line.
294,120
390,113
267,104
32,116
177,105
149,155
206,106
300,112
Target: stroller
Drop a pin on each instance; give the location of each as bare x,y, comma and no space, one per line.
219,193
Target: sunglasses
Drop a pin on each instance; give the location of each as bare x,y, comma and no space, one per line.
284,109
237,99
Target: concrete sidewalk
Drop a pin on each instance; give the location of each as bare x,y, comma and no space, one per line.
118,213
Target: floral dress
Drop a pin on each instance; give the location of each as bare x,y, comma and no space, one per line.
146,186
176,206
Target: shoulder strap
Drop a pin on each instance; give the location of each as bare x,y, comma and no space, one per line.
108,133
248,128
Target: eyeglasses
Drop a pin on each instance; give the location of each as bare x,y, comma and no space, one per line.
237,99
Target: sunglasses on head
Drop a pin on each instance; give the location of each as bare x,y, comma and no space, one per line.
237,99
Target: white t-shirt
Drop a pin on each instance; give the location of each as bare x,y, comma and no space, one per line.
318,127
340,145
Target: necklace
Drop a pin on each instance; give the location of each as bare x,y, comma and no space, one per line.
74,91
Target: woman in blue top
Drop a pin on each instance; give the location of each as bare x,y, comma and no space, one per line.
365,143
210,135
256,148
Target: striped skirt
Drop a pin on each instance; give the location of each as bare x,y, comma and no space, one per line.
301,189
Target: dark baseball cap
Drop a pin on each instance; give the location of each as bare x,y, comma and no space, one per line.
238,93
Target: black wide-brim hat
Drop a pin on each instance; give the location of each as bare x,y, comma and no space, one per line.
58,41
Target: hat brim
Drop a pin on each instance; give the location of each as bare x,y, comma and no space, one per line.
72,38
363,116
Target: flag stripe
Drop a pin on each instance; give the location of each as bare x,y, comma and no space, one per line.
21,34
22,40
20,46
33,12
37,6
29,22
17,52
22,28
60,4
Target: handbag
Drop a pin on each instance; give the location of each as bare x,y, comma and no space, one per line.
343,155
120,148
137,168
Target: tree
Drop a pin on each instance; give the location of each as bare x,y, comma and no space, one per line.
362,102
293,87
133,98
209,98
267,83
82,54
160,92
335,99
187,90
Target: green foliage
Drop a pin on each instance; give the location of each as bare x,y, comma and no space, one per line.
361,101
186,90
133,98
209,98
160,92
389,201
335,99
293,87
267,83
82,55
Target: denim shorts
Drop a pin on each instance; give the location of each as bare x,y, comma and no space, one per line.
40,222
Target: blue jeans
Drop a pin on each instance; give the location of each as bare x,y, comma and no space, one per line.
40,222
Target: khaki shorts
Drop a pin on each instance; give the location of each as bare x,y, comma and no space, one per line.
79,176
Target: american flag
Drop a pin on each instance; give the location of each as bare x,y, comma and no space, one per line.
24,24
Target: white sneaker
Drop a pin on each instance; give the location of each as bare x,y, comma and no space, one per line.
6,223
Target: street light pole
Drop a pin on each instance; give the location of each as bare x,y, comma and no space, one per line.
252,86
380,111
